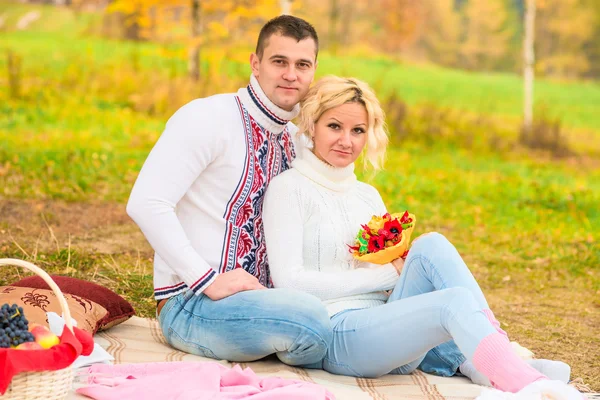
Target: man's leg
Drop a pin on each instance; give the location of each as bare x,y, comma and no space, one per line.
249,326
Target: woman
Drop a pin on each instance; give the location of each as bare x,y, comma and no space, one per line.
313,211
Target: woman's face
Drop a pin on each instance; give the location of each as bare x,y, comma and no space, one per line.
341,134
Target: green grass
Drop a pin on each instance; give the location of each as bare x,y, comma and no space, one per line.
499,205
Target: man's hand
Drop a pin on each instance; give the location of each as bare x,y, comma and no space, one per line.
232,282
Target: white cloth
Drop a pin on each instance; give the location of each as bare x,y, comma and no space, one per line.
539,390
198,196
98,355
311,214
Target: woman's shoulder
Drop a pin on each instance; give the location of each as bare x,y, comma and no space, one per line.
286,180
367,189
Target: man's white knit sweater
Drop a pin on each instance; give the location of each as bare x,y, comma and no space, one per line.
198,198
311,214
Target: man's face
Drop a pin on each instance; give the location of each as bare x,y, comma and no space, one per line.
286,70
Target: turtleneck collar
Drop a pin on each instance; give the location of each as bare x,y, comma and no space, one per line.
334,178
264,111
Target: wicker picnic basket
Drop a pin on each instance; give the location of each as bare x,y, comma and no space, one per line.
47,385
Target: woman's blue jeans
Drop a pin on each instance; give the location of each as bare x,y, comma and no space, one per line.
434,309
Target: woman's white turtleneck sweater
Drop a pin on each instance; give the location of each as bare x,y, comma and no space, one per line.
311,214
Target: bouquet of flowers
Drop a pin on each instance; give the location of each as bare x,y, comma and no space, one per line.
384,238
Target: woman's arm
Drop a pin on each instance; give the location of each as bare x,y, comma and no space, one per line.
284,228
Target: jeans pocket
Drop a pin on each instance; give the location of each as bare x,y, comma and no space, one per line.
191,347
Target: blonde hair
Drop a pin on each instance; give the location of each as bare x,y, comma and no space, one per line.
333,91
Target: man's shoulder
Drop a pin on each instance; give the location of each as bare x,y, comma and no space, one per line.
214,112
223,103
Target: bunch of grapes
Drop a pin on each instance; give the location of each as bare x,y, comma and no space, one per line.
14,327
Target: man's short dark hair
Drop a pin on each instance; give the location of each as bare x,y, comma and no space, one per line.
289,26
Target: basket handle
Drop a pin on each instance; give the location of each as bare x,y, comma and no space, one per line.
59,294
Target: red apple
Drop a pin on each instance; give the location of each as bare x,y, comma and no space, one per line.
29,346
43,336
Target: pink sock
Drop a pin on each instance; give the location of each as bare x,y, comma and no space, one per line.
506,371
492,318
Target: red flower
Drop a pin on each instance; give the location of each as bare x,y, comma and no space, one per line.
393,227
385,233
367,230
353,249
376,243
404,219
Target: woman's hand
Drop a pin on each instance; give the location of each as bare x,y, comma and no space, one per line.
398,263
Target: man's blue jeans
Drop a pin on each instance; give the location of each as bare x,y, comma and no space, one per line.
249,325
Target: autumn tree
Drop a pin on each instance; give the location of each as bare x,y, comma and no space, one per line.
196,32
197,23
341,27
286,7
400,21
592,45
439,32
487,34
562,29
528,68
334,18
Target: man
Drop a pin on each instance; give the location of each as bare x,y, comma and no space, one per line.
198,200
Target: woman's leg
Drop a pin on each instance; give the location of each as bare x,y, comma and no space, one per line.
372,342
433,263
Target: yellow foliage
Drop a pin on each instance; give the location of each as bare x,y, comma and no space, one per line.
171,20
559,41
487,35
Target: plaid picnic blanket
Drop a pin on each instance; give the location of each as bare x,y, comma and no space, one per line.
140,340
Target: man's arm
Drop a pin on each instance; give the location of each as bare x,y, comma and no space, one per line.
184,150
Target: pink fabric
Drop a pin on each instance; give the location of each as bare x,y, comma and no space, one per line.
506,371
191,381
495,323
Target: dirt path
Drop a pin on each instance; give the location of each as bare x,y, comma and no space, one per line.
102,228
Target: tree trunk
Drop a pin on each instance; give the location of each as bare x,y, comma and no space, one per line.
529,59
334,16
286,7
348,19
194,52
